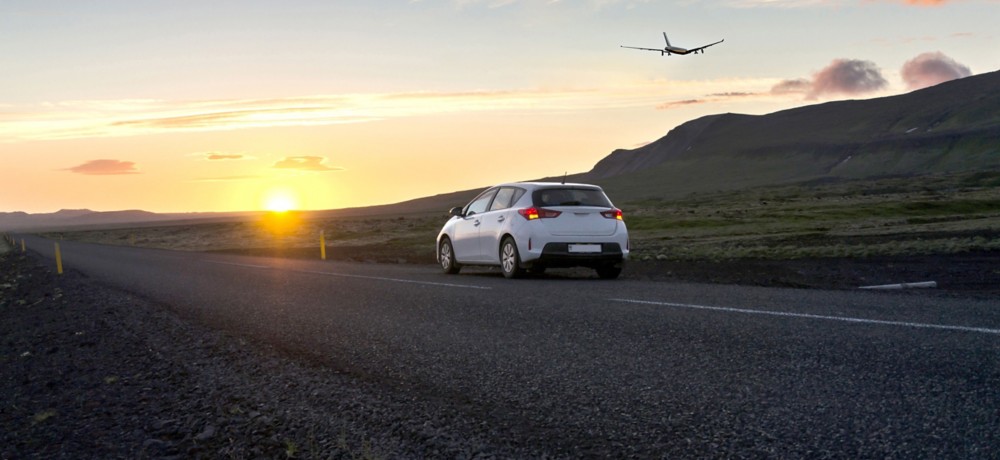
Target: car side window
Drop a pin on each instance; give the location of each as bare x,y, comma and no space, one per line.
481,203
506,198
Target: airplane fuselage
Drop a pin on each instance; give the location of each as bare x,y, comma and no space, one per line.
675,50
670,49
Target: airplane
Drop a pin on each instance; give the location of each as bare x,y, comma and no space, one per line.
669,49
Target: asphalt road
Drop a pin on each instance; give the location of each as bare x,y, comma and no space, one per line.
583,367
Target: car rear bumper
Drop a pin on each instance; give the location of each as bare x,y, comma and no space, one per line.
558,255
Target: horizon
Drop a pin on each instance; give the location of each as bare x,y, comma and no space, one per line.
185,107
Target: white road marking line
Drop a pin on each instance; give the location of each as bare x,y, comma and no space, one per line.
397,280
809,316
345,275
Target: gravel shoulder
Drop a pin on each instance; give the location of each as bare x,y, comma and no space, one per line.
93,372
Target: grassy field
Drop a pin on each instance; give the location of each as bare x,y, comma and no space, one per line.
893,216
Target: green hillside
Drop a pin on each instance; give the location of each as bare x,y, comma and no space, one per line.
952,127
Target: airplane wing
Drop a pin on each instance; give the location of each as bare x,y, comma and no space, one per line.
700,48
646,49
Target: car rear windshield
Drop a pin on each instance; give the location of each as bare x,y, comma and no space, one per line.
570,196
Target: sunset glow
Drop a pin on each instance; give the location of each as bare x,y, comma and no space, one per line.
213,106
280,201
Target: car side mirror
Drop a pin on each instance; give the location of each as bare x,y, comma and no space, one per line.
456,211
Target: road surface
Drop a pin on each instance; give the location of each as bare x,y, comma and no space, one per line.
582,367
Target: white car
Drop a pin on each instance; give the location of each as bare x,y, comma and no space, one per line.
531,226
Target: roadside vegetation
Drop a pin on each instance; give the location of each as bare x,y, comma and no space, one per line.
940,214
894,216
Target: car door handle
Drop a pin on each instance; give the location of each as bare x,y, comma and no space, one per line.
501,219
476,223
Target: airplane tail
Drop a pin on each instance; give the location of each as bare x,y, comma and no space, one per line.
666,39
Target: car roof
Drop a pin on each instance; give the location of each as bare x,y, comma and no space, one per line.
541,185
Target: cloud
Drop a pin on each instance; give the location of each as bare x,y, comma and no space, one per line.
798,85
929,69
925,2
223,156
779,3
708,99
304,163
217,119
105,168
824,3
672,104
494,4
225,178
136,117
729,94
848,76
841,77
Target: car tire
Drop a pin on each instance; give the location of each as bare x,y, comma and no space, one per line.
510,260
446,257
609,272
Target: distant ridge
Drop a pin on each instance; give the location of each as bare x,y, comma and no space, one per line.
77,218
954,126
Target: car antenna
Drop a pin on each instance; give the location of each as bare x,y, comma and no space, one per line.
564,177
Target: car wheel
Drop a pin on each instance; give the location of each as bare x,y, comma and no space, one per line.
446,256
609,272
510,261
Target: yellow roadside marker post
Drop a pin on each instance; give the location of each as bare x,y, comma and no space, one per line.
58,260
322,244
23,249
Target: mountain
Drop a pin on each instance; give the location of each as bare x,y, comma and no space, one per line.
954,126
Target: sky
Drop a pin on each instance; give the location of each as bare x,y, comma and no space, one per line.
242,105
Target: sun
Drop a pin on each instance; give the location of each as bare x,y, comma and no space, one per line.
280,201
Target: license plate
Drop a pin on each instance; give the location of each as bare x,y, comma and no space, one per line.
585,248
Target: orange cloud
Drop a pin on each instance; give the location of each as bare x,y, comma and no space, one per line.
105,168
304,163
225,178
223,156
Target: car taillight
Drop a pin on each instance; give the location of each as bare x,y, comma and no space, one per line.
538,213
613,214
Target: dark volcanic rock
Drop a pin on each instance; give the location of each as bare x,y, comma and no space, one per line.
93,372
